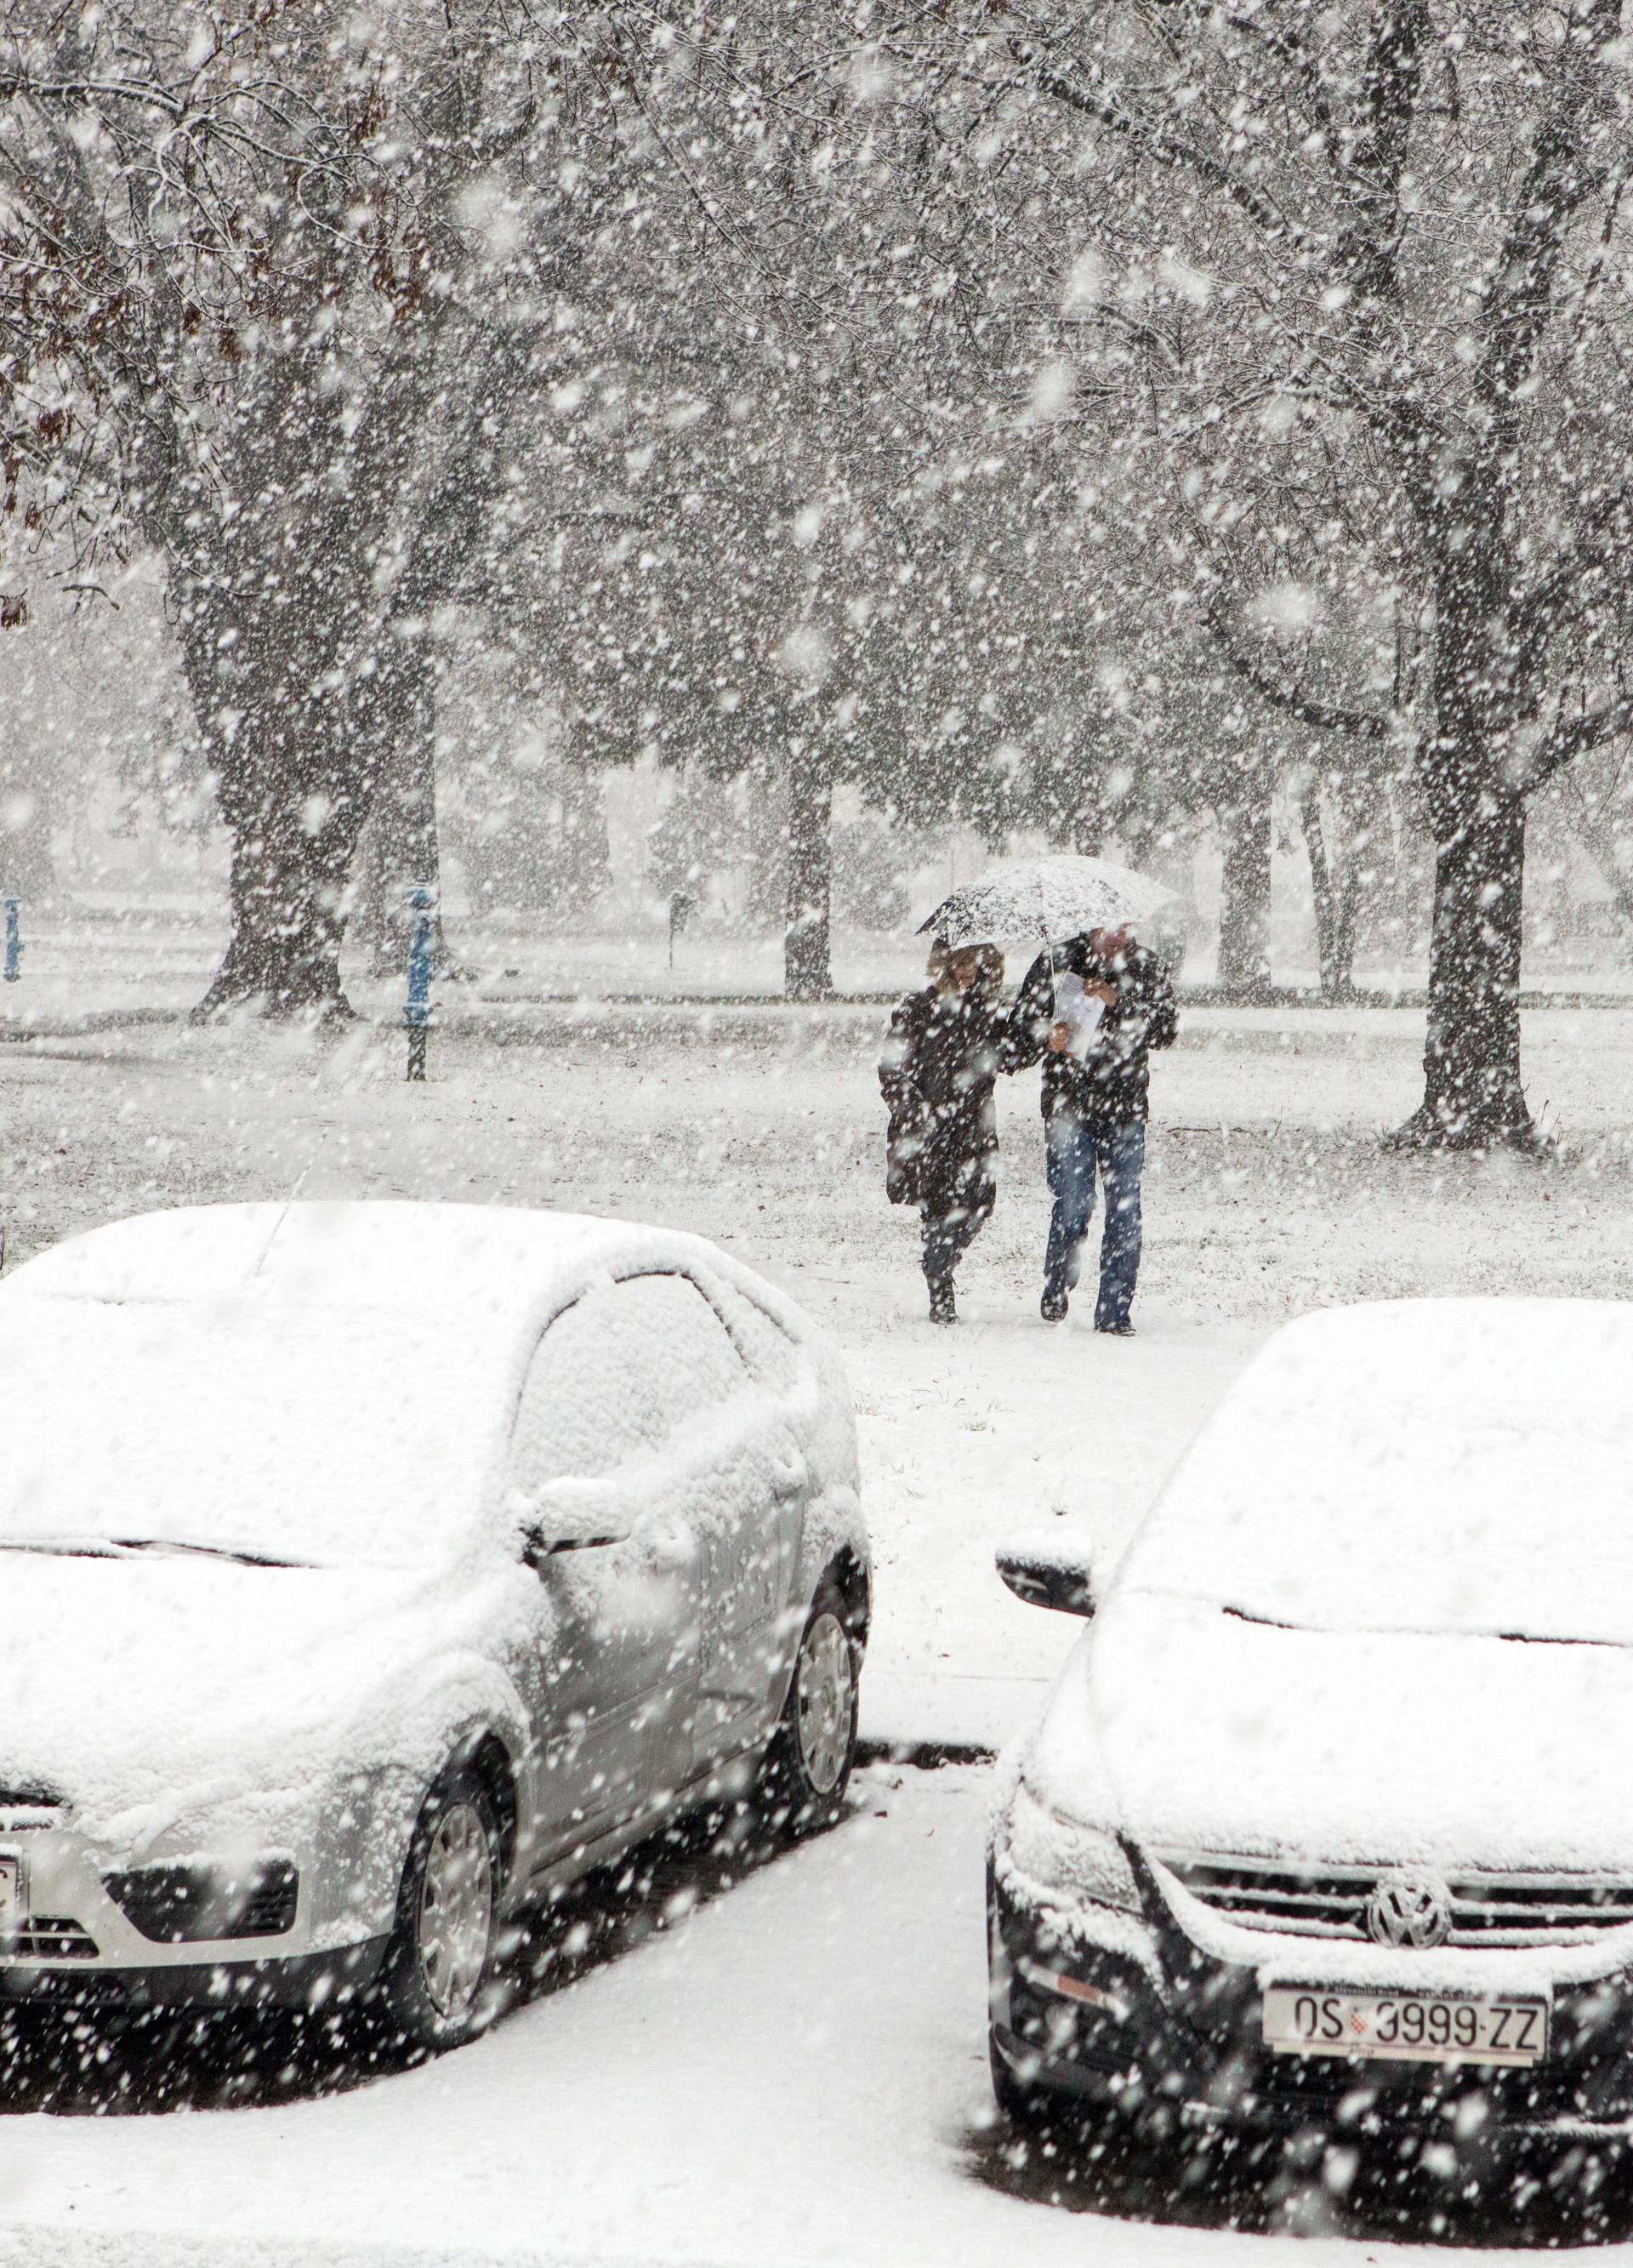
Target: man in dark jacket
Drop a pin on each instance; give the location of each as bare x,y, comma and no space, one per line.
1095,1089
937,1072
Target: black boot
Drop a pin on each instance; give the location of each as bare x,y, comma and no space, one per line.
942,1309
1052,1306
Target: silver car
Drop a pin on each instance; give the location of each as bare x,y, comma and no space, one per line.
373,1571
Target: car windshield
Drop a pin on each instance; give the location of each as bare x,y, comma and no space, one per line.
246,1428
1427,1483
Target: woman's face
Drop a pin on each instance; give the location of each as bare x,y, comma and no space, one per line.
964,967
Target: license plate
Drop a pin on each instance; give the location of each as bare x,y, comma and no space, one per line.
1405,2028
13,1891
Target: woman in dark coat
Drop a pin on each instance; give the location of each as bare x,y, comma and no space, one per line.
937,1072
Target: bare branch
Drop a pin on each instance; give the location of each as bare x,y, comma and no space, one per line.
1288,698
1569,740
1557,183
1108,109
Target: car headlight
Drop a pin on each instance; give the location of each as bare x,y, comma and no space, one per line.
1072,1863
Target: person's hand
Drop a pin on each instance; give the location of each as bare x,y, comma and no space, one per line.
1059,1039
1100,991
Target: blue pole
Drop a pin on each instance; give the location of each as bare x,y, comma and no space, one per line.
416,1014
13,940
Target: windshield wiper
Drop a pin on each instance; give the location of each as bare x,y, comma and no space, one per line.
1507,1638
206,1550
121,1547
61,1547
1531,1637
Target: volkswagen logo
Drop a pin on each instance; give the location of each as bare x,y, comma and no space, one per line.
1409,1910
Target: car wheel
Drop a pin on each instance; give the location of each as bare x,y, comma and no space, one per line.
807,1765
441,1957
1021,2104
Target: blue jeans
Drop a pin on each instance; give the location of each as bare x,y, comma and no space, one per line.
1073,1148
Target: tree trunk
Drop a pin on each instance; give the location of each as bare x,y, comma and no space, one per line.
1245,907
400,849
1066,797
1473,1096
806,968
1334,888
767,799
266,655
294,782
1086,831
291,855
585,853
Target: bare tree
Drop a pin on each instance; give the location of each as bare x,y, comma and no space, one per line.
1344,275
247,259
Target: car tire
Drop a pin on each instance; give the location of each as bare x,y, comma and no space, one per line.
1019,2101
807,1763
1022,2105
434,1987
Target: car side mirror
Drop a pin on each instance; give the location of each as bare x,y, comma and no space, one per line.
1051,1574
571,1515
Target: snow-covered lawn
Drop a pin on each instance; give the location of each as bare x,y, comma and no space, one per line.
797,2073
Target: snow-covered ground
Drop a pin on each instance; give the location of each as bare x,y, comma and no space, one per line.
797,2072
788,2074
792,2076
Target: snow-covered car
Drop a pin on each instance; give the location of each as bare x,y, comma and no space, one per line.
373,1571
1328,1825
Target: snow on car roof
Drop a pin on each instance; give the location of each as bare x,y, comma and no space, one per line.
371,1254
1427,1464
323,1382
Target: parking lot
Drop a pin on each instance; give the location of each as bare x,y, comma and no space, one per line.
792,2067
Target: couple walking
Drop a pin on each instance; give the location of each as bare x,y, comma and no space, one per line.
1090,1009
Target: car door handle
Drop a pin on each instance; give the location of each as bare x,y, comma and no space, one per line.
789,1474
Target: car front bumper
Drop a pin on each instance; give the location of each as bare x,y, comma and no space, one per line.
316,1982
103,1930
1130,2013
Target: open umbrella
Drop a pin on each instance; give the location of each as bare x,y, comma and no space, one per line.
1044,900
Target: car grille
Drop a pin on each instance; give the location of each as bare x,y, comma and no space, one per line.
1330,1901
52,1939
27,1806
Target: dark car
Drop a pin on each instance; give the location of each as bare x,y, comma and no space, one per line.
1329,1823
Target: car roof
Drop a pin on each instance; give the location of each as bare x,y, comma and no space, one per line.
440,1258
1471,1357
1435,1464
157,1362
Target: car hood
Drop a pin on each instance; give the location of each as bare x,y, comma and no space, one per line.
1191,1729
141,1692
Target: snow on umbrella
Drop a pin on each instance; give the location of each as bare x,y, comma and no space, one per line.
1046,899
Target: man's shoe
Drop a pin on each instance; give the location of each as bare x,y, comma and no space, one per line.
1052,1307
1123,1330
942,1310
